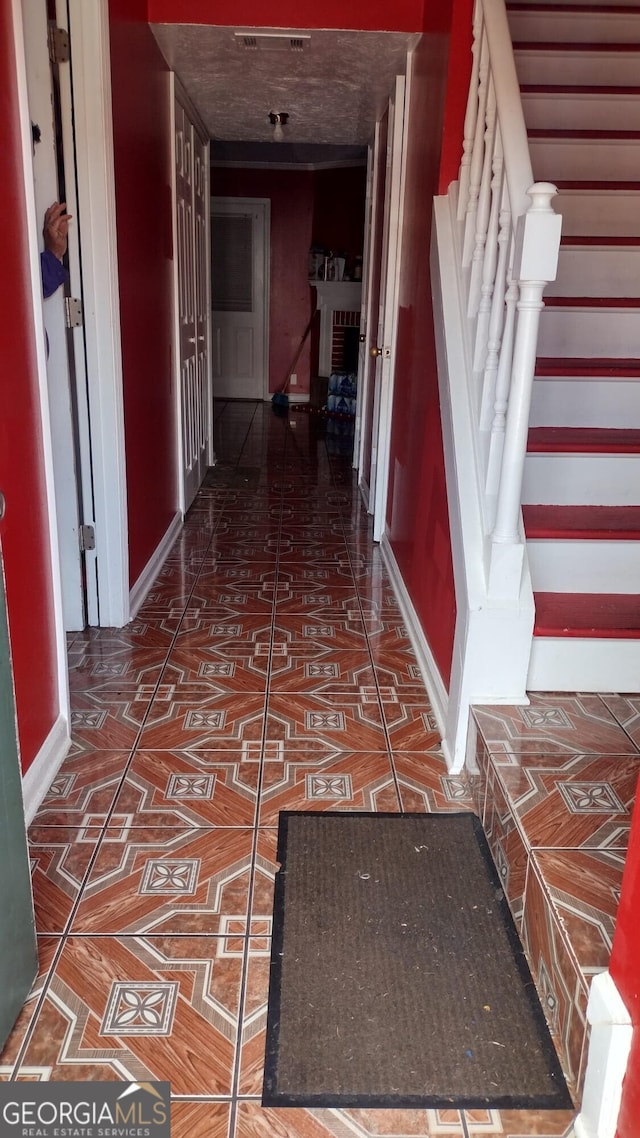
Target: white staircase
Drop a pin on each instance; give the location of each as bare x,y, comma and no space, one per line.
579,70
537,257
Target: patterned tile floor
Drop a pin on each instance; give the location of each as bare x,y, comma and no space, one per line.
269,669
555,786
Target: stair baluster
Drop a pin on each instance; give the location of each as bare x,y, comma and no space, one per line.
477,157
490,264
471,114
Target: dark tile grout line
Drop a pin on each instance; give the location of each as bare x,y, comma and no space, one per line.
237,1063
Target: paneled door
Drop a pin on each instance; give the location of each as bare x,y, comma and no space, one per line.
239,297
192,301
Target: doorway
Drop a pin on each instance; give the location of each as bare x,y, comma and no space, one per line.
89,480
240,297
50,108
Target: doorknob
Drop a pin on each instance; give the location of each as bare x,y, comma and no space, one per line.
375,352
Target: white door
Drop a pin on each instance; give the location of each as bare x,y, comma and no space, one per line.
49,94
192,302
382,319
239,297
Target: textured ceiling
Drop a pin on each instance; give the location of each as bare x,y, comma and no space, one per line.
333,90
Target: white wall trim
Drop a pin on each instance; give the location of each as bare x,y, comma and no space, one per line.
433,681
44,767
392,274
175,322
89,27
33,222
609,1046
154,565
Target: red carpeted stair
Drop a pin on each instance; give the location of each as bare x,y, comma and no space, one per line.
580,440
599,615
589,523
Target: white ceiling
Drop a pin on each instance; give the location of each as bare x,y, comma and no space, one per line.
334,90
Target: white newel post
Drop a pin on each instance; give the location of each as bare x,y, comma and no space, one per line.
535,264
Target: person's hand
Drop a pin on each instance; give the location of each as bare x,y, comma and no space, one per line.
56,227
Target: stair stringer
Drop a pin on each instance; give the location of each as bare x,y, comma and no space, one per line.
493,636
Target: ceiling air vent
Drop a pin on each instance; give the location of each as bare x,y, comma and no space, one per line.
271,41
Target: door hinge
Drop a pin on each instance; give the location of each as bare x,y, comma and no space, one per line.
58,45
73,312
87,536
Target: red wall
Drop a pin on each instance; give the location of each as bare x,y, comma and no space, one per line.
417,512
24,530
142,138
625,970
459,74
338,210
384,15
291,195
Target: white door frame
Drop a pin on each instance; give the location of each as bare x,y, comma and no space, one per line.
83,423
364,310
89,27
60,373
41,361
96,210
366,376
249,204
389,315
177,95
96,205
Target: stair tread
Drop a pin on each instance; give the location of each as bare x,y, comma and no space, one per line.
601,615
573,240
601,185
592,301
579,135
588,366
575,45
589,523
579,440
576,89
583,9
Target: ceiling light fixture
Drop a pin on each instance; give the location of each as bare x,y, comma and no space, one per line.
278,119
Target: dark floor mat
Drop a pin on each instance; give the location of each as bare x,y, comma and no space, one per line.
397,974
223,476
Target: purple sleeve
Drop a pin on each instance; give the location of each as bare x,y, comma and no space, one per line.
53,273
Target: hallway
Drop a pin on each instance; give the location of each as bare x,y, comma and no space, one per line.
269,669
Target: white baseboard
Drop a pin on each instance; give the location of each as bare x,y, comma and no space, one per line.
609,1045
153,566
433,682
44,767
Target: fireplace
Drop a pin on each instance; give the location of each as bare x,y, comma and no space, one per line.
339,306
